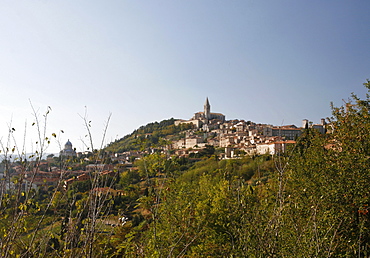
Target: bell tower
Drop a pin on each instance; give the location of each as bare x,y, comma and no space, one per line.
207,110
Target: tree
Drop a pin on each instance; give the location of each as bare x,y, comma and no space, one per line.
326,206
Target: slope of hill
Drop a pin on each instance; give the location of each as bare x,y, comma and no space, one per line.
148,136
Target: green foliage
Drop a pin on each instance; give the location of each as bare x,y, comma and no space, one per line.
200,210
151,165
150,135
128,178
326,204
80,187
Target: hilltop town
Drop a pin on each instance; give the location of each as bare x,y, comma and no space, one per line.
245,136
234,137
205,129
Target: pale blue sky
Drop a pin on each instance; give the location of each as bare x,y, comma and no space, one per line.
274,62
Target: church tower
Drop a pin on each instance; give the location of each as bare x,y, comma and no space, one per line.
207,110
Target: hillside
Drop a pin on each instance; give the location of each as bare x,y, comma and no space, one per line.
148,136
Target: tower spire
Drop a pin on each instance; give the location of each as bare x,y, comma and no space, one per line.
207,109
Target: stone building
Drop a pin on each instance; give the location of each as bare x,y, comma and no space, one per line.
68,151
205,117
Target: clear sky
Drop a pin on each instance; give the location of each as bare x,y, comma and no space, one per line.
274,62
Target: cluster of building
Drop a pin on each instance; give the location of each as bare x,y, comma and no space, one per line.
45,174
242,135
209,129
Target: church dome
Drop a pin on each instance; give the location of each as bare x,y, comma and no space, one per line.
68,145
68,150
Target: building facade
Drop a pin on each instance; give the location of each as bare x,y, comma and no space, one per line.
201,118
68,151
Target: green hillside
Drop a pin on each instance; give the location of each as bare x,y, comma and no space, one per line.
149,136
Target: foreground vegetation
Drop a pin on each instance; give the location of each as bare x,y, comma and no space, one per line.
312,201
